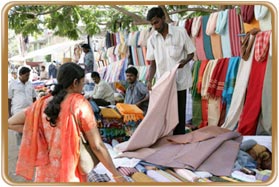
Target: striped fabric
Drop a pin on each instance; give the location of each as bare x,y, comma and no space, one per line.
127,170
234,26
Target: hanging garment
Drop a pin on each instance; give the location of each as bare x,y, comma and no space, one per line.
166,109
196,97
222,28
230,81
211,149
217,79
248,42
263,15
247,13
200,75
205,84
248,119
198,34
215,89
188,26
214,38
265,121
249,26
234,26
238,96
206,39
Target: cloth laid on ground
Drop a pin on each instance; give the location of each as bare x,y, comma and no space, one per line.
165,108
129,112
211,149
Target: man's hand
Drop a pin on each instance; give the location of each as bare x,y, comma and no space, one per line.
149,85
182,63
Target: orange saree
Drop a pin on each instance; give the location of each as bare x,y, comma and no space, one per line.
53,151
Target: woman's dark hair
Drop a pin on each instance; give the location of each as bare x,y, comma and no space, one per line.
95,74
67,73
24,70
155,12
132,70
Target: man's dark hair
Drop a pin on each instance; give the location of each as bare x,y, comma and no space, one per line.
24,70
155,12
132,70
95,74
86,46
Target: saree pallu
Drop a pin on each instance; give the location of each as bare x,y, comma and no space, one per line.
200,75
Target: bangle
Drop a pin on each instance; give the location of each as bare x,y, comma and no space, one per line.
117,177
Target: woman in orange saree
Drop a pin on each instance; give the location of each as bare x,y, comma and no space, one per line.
50,140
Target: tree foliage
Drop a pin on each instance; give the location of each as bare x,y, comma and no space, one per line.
72,21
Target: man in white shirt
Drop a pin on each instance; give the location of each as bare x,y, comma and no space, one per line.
167,47
103,94
21,94
43,73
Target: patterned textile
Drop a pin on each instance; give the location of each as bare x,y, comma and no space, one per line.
248,42
127,170
262,45
96,177
200,75
129,112
234,27
217,80
263,175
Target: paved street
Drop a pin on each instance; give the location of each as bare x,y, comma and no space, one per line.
12,157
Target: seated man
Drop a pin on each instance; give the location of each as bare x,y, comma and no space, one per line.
103,94
137,92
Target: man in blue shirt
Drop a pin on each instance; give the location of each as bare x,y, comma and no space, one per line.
137,92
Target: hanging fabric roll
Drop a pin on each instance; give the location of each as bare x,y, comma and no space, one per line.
234,26
263,15
265,121
188,26
238,96
215,38
197,33
222,28
230,81
196,109
206,39
248,120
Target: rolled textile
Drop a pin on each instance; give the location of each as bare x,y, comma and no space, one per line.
196,26
199,38
247,13
234,30
110,113
129,112
222,28
128,171
200,74
155,175
188,26
176,175
141,177
230,81
206,39
263,15
217,79
140,168
187,174
247,124
249,26
248,42
169,176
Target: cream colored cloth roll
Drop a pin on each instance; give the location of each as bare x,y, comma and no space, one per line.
206,76
214,111
169,176
187,174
